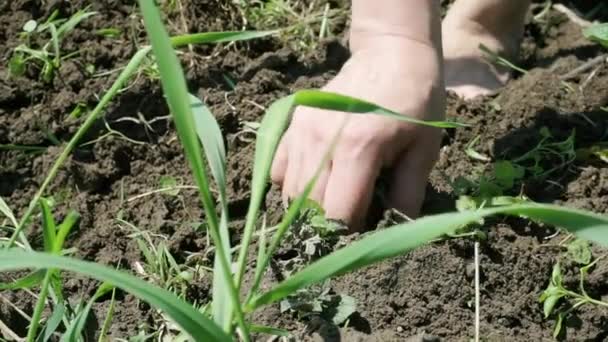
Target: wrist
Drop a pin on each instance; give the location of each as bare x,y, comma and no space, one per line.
385,22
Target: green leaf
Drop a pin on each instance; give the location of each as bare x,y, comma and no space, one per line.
30,26
210,135
346,306
49,229
579,251
179,101
27,282
506,173
597,33
74,20
269,330
109,32
556,275
219,37
402,238
64,229
169,183
337,102
74,331
196,324
6,211
53,322
16,65
549,303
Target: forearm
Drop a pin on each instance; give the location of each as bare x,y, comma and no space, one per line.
394,21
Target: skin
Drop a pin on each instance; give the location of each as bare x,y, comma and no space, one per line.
397,61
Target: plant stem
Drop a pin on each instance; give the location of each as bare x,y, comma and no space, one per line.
35,322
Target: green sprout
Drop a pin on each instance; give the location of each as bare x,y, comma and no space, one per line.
48,57
556,292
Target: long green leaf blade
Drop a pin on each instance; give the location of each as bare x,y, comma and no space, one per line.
49,229
219,37
6,211
405,237
193,322
210,135
269,134
337,102
174,87
27,282
74,331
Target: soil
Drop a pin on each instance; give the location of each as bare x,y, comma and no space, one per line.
423,296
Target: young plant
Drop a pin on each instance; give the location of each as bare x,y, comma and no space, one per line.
556,292
48,56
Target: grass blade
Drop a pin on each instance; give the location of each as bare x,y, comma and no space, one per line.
210,135
49,229
53,322
193,322
218,37
27,282
74,20
405,237
337,102
269,134
6,211
174,87
40,304
74,331
64,229
107,322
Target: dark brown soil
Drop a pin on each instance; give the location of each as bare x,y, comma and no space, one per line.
427,292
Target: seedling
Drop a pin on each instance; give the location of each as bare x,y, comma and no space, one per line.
556,292
47,57
507,174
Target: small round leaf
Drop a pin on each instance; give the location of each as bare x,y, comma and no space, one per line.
30,26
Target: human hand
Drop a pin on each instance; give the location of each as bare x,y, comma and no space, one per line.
407,79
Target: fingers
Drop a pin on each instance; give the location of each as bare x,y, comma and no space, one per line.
279,164
350,188
312,162
410,175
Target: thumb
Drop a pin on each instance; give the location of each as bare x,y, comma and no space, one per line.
410,174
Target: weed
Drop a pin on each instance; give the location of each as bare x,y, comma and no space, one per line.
302,24
48,56
555,292
505,175
319,300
